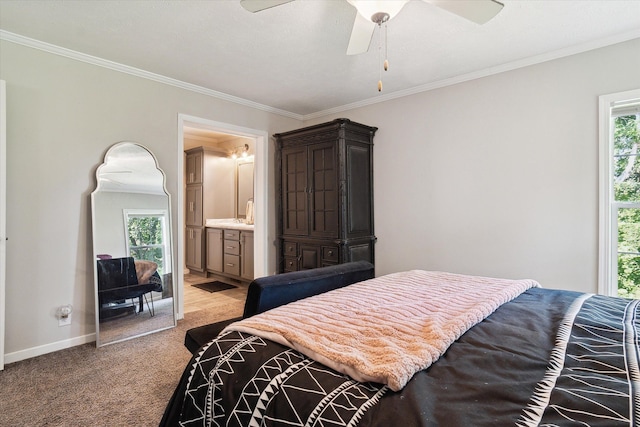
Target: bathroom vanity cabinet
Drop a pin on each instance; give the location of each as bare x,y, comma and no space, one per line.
210,187
230,253
246,255
215,237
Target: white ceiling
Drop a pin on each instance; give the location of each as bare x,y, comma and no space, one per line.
291,58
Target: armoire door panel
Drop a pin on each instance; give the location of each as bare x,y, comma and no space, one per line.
359,190
294,179
324,184
301,202
361,252
301,177
309,257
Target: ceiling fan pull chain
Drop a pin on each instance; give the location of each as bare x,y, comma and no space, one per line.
380,55
386,44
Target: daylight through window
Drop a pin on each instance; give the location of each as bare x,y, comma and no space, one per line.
146,237
626,203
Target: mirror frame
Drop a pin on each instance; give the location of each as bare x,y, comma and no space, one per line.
96,251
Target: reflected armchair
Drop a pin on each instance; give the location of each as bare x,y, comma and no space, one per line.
118,282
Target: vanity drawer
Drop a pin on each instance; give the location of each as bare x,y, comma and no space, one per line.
232,264
329,253
232,234
231,247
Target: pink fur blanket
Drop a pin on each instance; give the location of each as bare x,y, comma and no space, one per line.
388,328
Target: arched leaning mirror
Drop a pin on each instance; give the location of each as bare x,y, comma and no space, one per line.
131,246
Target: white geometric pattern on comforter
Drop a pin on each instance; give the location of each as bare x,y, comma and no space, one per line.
598,368
288,375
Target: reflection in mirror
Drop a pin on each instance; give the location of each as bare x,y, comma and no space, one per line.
244,191
132,246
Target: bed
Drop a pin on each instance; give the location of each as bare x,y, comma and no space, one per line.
525,356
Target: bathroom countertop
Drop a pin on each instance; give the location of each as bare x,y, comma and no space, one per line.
229,224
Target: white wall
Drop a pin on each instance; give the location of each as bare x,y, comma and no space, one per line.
497,176
62,116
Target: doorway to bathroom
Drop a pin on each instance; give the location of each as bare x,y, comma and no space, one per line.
225,150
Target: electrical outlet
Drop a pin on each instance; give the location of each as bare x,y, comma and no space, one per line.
64,321
64,315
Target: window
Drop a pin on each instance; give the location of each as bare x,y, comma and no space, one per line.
146,232
620,195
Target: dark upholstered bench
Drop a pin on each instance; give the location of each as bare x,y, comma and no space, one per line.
269,292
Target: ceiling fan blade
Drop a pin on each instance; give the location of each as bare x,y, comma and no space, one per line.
258,5
478,11
361,34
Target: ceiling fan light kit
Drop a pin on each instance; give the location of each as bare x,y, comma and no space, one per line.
258,5
375,10
372,13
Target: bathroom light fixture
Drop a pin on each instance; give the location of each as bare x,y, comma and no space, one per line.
242,151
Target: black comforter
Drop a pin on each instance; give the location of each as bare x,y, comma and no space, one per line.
548,358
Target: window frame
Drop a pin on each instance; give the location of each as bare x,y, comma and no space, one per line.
127,213
608,208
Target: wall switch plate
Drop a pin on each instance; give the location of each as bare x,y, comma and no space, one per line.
64,321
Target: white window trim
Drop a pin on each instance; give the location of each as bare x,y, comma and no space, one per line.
607,268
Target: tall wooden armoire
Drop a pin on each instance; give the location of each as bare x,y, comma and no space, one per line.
325,195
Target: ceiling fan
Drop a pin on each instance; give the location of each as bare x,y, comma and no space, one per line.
376,12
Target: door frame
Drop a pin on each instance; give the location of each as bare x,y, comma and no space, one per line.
3,213
260,182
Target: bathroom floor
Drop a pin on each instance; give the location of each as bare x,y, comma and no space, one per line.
197,299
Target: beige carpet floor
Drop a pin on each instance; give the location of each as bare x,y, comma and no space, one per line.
123,384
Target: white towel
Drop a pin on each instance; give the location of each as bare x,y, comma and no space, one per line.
249,213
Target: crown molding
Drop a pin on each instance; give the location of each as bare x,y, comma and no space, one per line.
94,60
572,50
533,60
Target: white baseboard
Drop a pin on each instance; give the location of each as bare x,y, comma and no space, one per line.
47,348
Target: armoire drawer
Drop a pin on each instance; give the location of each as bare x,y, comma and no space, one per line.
290,249
329,253
290,264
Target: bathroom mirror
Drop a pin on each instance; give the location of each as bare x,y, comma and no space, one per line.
132,246
244,187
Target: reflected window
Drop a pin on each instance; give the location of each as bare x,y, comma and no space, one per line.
146,236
